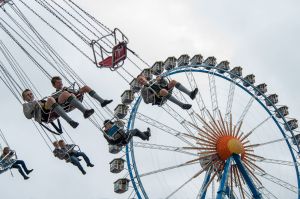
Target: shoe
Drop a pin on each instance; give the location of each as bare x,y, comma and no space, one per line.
83,172
90,165
73,124
29,171
105,102
26,178
88,113
186,106
148,133
194,93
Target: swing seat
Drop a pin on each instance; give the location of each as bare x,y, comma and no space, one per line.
114,132
119,54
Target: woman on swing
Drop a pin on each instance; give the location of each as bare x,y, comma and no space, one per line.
7,159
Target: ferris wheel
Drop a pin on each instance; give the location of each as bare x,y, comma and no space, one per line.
235,141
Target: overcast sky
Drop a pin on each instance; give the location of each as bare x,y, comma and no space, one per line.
260,36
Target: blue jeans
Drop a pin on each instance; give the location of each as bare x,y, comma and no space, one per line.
20,165
75,161
78,154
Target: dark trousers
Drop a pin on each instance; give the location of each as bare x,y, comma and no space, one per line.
75,161
20,165
83,155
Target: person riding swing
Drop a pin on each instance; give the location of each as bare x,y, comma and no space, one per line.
115,134
7,160
158,91
40,109
68,95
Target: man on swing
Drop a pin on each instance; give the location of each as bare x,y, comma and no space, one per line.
40,109
115,134
64,94
160,90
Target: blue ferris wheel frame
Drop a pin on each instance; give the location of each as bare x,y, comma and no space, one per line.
130,158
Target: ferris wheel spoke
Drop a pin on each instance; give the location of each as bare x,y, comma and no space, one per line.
167,169
163,148
168,109
189,180
213,93
230,100
266,143
278,162
162,127
199,99
246,110
255,128
266,193
277,181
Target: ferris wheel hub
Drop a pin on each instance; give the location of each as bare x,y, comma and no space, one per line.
228,145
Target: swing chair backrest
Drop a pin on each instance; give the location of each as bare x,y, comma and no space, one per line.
106,56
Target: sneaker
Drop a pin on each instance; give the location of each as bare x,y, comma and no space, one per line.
83,172
29,171
194,93
90,165
88,113
105,102
26,178
148,133
186,106
73,124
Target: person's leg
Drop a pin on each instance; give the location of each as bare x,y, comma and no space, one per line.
179,86
138,133
74,160
170,97
85,157
70,98
16,166
51,104
23,165
93,94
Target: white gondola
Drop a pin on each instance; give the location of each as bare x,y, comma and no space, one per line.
114,149
236,72
210,62
127,97
117,165
170,63
250,80
291,125
196,60
223,66
261,89
183,60
121,111
272,99
135,86
121,185
157,68
296,139
282,111
147,72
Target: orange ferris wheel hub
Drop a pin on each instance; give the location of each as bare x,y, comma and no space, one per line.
227,145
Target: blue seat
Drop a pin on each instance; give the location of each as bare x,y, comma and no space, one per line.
113,130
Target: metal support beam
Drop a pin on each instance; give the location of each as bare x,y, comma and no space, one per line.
223,184
202,192
246,176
